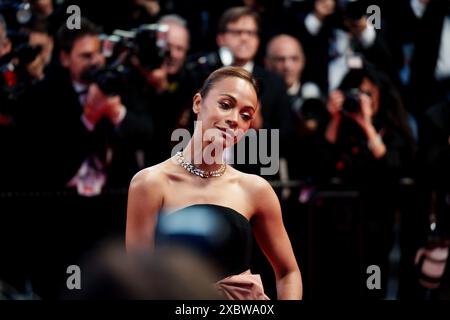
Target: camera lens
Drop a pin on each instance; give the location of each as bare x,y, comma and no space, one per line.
352,101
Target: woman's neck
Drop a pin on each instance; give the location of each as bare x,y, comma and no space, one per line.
203,155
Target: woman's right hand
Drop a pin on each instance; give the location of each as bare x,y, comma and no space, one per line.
335,102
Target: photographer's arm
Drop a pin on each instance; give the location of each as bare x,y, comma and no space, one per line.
127,114
364,119
116,112
94,108
332,130
375,142
334,106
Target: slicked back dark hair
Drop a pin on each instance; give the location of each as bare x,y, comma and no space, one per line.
66,37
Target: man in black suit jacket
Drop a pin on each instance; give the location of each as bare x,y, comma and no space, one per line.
429,66
80,136
75,137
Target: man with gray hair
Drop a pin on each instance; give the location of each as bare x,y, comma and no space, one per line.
166,88
177,48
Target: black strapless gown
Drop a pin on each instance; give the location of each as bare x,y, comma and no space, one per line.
219,233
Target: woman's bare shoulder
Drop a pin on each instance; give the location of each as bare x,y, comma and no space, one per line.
254,183
261,195
150,176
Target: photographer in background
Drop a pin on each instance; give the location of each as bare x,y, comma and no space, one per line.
5,118
16,55
368,147
177,48
5,48
368,107
39,36
166,87
285,56
103,134
24,55
84,142
5,44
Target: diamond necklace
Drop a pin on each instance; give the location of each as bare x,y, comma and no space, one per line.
188,166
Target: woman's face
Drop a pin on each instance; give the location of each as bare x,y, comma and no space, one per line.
369,88
226,111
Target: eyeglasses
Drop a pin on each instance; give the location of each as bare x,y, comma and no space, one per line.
280,59
239,32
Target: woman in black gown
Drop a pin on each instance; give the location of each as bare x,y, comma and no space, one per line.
196,184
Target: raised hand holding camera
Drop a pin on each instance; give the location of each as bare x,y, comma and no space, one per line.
157,78
94,106
99,105
364,119
363,116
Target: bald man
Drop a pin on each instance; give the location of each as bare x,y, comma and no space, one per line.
285,57
177,41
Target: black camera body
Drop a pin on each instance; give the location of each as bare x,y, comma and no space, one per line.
151,45
147,43
13,75
200,66
352,101
111,81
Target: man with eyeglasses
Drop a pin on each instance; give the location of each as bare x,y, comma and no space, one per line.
238,41
238,31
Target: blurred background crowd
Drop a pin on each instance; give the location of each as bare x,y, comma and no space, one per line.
360,91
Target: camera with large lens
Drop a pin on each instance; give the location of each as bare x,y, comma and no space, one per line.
13,75
352,101
110,80
151,45
200,66
147,43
